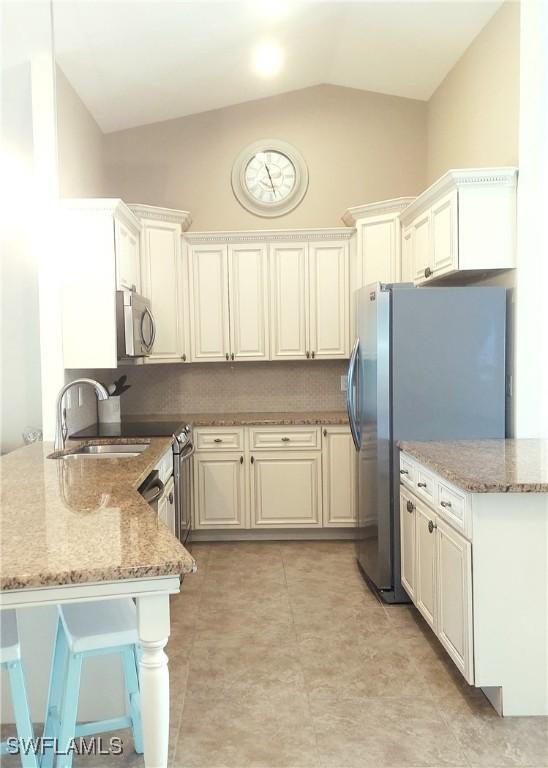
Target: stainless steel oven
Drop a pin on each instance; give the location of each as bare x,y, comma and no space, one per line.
136,329
183,450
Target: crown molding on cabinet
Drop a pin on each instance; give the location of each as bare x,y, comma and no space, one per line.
170,215
111,205
269,235
453,179
396,205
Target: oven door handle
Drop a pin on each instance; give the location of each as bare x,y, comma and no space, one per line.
190,452
152,488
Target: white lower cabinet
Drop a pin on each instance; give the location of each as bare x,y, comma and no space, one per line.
286,490
339,465
219,491
166,506
436,570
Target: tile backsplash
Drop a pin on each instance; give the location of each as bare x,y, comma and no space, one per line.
219,387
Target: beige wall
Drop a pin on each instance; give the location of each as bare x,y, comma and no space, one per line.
80,145
473,115
359,147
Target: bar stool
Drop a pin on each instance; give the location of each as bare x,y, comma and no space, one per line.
10,660
84,630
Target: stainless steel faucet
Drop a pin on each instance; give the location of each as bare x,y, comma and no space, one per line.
61,429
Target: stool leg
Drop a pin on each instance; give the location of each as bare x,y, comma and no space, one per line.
25,732
69,711
129,659
55,695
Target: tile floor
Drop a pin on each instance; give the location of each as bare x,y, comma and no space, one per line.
281,657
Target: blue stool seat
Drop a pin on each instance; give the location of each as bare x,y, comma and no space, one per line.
10,660
84,630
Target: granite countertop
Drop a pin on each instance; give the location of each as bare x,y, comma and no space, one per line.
486,466
83,520
305,418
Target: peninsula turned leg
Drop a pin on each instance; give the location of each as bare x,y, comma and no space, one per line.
153,621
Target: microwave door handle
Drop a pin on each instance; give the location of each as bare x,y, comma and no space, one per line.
350,399
148,344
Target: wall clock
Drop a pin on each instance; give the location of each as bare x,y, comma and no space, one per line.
269,177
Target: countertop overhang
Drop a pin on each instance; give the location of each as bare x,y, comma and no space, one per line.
486,466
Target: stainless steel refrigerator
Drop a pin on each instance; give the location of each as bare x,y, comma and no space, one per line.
428,364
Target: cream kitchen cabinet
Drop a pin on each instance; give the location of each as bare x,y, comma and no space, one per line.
378,241
164,280
309,299
209,315
407,542
465,222
166,506
407,275
425,563
219,491
339,465
100,251
286,490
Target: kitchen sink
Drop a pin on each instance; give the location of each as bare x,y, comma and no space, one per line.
107,451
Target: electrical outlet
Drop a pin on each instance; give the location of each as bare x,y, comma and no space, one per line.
343,384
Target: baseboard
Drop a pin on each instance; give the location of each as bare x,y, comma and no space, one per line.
323,534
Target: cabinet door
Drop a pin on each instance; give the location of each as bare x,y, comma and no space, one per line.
286,490
445,235
421,245
454,593
425,563
378,249
248,299
407,269
339,459
407,542
209,331
166,506
162,282
127,257
329,300
162,508
219,491
289,301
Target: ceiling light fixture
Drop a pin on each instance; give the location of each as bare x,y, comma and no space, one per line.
268,59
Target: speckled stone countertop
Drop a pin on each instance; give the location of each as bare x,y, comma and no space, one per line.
487,466
307,418
83,520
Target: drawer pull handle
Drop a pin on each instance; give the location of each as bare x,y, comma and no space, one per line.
227,355
217,440
286,439
252,460
325,433
445,504
308,354
421,485
232,356
241,459
410,506
313,355
404,471
170,498
427,272
431,526
184,358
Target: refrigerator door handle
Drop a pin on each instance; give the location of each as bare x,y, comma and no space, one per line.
350,401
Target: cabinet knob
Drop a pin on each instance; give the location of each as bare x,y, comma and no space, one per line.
184,358
446,504
232,356
410,506
325,433
404,471
241,459
227,356
252,460
313,355
427,272
421,485
170,497
431,526
308,354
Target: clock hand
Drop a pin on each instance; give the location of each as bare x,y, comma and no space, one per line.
270,177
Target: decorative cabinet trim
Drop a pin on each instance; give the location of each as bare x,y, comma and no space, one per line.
162,214
505,176
395,205
269,235
113,206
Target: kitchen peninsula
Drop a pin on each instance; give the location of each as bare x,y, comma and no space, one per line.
78,530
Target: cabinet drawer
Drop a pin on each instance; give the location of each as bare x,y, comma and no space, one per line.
451,505
408,472
212,439
425,485
292,438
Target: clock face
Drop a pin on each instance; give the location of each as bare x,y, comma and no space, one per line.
270,177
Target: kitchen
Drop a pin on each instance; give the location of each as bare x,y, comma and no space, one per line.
229,318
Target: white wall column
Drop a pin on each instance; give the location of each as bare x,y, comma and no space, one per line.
531,330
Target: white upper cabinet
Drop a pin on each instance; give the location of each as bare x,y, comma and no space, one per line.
378,240
209,321
164,280
407,275
100,252
465,222
248,301
289,301
329,297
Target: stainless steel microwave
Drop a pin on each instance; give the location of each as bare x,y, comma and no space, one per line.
135,325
